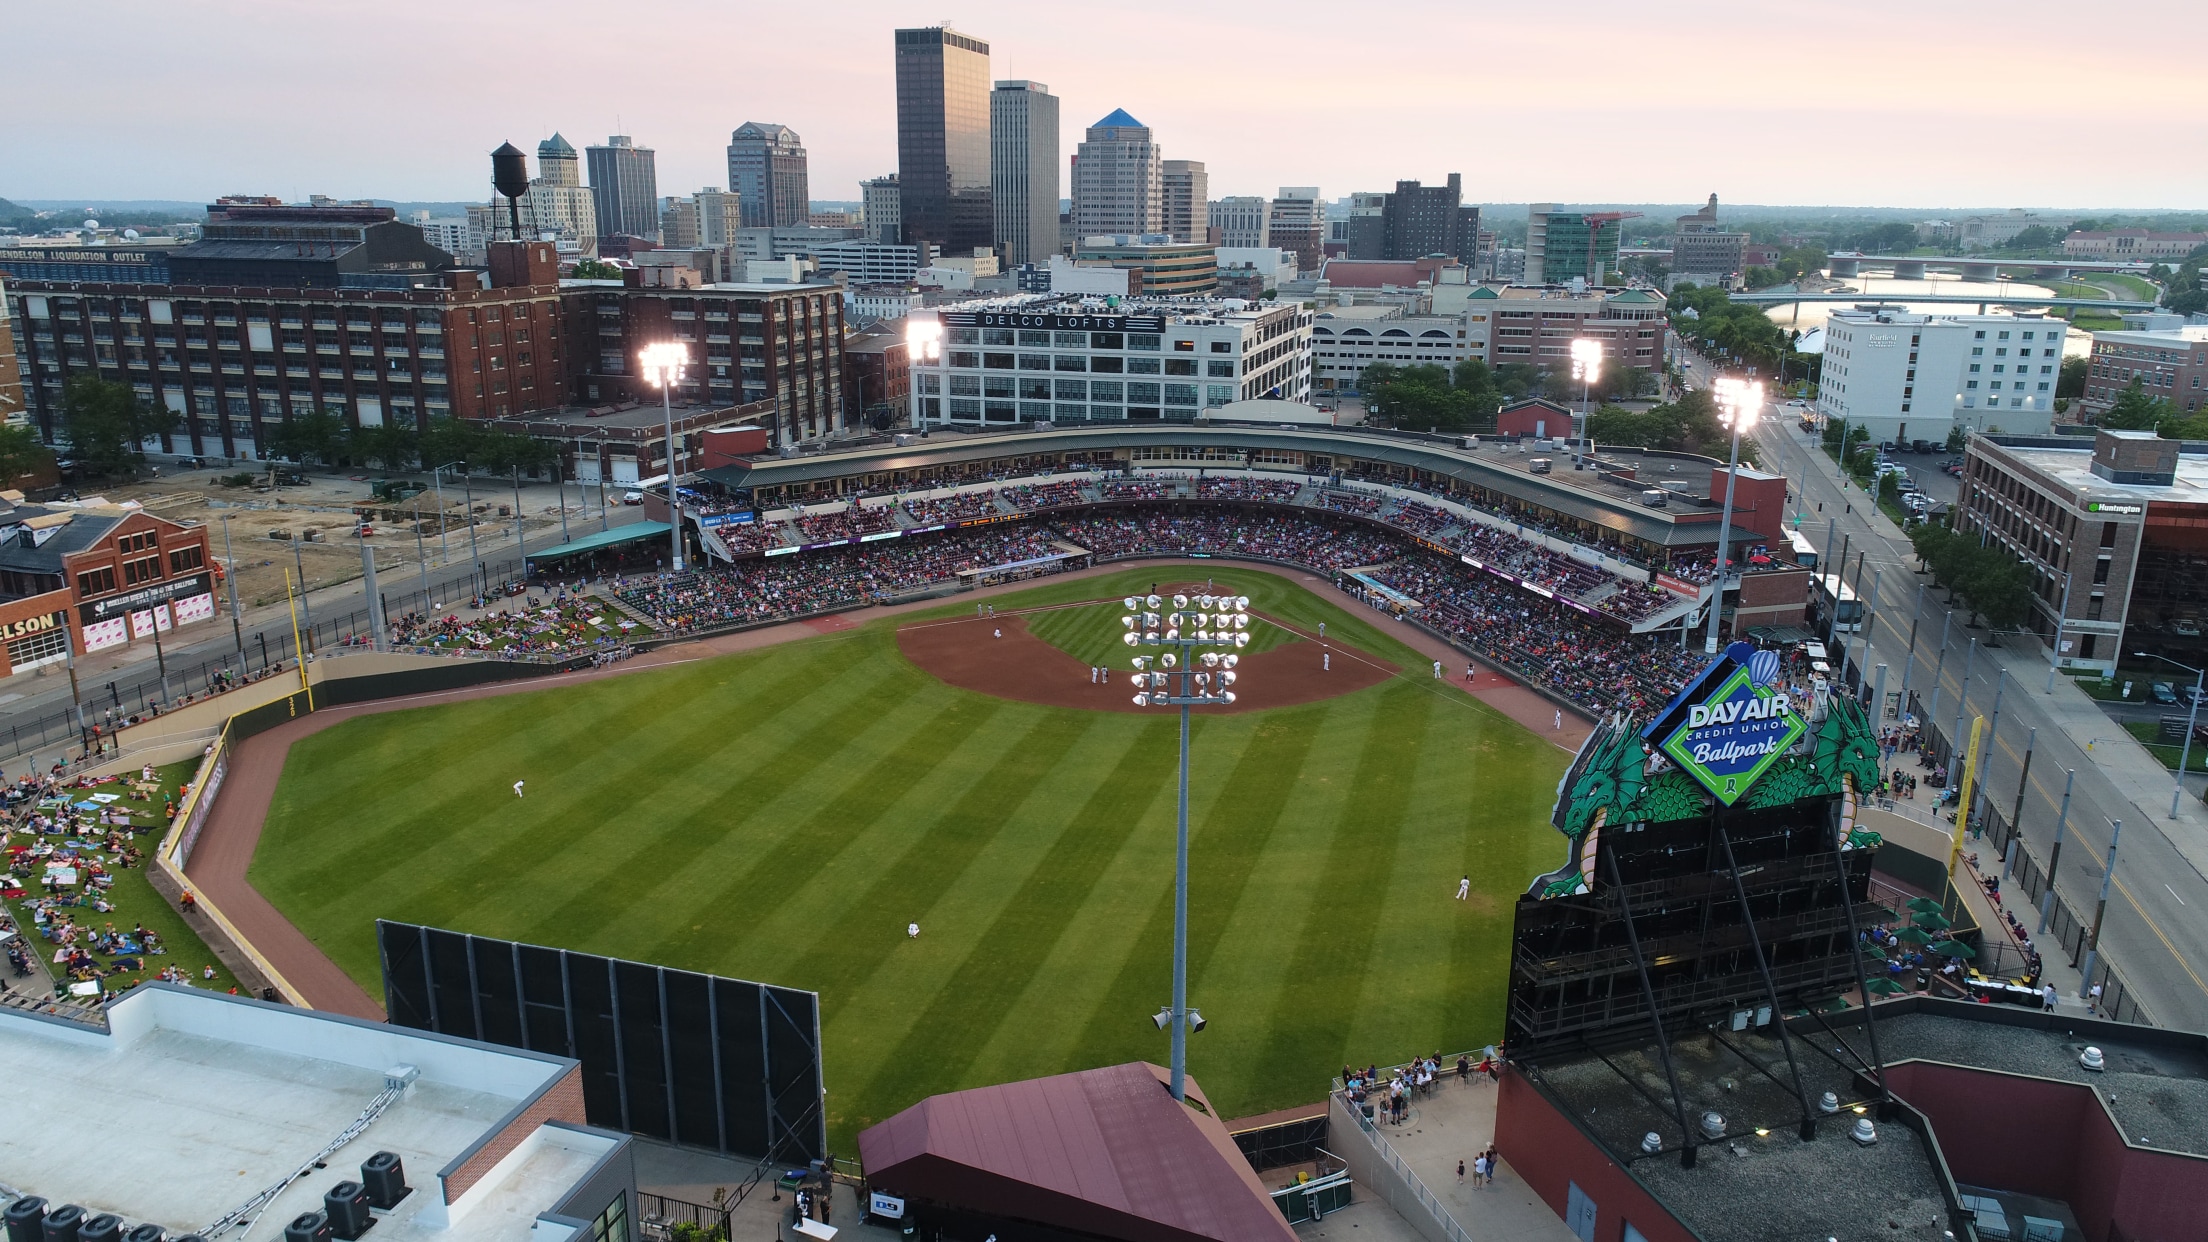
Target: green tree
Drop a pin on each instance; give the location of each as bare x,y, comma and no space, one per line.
20,452
2134,410
593,269
1994,584
1517,379
107,425
322,438
2070,383
2037,237
1933,545
393,446
1415,398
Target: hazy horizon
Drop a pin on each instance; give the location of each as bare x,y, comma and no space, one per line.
1607,103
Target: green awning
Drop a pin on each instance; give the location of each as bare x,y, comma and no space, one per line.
631,533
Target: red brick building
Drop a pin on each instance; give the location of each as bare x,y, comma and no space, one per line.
107,577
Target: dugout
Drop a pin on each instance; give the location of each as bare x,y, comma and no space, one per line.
1102,1154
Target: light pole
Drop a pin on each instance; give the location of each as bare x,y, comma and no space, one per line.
1738,403
1586,367
2100,911
230,580
2192,717
1219,621
2054,657
437,480
663,365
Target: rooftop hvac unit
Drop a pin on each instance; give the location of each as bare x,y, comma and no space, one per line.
347,1205
26,1218
904,441
106,1227
308,1227
63,1223
385,1178
148,1232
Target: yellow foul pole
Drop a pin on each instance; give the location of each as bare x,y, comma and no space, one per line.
1962,804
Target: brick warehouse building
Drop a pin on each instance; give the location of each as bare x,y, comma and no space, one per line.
235,361
748,343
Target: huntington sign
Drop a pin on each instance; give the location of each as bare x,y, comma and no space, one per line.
1736,724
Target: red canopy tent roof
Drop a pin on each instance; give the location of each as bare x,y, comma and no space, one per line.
1106,1152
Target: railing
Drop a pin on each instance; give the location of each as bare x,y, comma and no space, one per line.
1405,1183
657,1216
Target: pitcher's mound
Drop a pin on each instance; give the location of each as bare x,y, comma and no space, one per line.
965,653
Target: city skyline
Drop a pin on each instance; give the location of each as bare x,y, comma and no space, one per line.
1683,113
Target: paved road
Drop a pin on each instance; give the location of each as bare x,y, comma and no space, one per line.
2157,924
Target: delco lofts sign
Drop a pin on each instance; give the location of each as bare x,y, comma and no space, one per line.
1730,724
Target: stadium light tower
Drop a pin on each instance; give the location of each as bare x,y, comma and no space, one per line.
1185,676
1738,403
663,365
1586,368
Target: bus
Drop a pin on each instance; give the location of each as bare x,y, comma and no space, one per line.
1835,606
1801,549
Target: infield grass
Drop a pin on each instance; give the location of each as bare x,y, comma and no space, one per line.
1093,634
782,815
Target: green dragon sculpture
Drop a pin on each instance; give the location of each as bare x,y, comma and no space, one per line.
1609,783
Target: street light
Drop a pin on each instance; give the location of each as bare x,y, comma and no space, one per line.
1183,626
663,365
2054,656
2192,717
1738,403
1586,368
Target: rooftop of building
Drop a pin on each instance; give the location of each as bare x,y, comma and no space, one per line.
2155,1086
1118,120
35,538
2182,334
632,420
1172,309
2072,468
191,1103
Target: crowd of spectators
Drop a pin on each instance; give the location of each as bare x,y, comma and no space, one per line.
1138,489
550,625
1351,502
1533,562
1422,519
958,508
1242,487
1280,537
1028,497
852,521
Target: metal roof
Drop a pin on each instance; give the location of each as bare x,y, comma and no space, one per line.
1101,1153
1435,455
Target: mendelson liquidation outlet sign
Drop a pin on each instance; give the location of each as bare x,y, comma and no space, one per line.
1735,729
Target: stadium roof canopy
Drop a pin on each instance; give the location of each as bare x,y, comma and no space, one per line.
601,539
1102,1153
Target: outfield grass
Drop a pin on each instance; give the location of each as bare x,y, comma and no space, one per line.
782,814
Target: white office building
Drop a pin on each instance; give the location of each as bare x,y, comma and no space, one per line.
872,263
1118,179
1347,339
1240,220
1906,377
1069,358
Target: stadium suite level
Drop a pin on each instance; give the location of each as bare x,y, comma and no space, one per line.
1591,507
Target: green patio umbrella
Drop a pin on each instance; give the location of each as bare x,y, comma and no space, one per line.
1937,921
1924,905
1872,950
1951,948
1913,935
1884,986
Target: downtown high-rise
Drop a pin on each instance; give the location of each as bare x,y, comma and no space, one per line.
1118,180
943,176
766,170
624,188
1023,169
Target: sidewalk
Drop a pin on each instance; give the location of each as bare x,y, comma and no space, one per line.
1457,1123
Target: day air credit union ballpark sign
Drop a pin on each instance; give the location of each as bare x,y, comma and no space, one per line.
1729,726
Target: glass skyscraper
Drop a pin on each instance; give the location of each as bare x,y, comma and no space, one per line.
943,139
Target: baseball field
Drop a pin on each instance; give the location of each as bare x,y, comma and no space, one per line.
783,814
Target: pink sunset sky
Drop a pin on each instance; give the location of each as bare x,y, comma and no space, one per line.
1951,103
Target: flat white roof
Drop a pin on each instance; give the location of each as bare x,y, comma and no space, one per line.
192,1103
2073,468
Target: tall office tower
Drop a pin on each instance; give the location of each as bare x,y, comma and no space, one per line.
766,169
1240,220
1118,180
678,224
557,163
1023,169
1565,245
1296,221
1187,193
943,139
1418,221
884,215
624,188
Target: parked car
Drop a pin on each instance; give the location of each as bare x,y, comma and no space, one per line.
632,497
2162,692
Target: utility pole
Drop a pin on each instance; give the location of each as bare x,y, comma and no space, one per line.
230,579
2100,912
1962,703
2054,856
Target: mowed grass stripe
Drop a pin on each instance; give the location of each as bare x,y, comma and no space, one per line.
363,754
931,865
1333,952
1003,972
